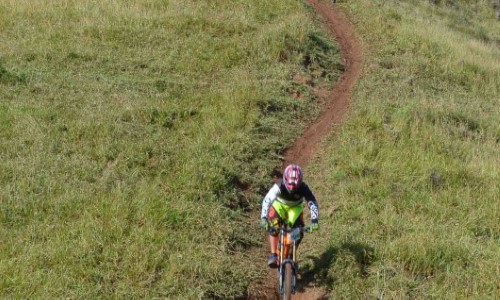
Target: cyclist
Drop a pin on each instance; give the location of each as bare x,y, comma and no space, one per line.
285,199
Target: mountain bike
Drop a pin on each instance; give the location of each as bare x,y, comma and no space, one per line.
287,248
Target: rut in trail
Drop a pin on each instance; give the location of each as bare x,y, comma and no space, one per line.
334,112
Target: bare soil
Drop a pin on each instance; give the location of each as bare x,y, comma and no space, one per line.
336,101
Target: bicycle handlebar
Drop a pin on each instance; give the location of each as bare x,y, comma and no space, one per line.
288,230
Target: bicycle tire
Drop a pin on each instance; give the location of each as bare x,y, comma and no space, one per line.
287,291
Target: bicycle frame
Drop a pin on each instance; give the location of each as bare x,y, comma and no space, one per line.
287,254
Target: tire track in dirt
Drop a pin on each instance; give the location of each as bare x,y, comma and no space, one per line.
334,112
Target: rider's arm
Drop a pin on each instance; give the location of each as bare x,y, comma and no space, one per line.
311,203
268,200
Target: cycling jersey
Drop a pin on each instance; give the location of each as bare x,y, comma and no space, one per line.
279,193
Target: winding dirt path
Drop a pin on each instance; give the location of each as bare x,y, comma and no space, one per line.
334,112
337,100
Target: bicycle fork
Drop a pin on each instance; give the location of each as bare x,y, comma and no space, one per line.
284,259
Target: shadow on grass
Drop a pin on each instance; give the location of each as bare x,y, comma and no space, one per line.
364,255
317,274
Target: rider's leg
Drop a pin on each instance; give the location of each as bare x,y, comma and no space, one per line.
273,218
273,243
299,223
296,217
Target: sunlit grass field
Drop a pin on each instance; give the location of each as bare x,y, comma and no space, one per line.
136,135
410,195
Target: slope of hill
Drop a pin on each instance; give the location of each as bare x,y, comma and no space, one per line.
410,193
135,134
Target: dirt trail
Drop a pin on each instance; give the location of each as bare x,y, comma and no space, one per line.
334,112
337,100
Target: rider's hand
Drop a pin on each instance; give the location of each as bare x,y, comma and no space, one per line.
314,226
264,224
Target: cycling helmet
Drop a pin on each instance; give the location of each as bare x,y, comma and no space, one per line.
292,178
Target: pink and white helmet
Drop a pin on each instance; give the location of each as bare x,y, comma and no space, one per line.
292,178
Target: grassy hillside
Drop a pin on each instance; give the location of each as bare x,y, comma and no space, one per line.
135,134
410,195
135,137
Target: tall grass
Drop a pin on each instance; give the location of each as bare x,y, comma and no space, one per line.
410,194
136,134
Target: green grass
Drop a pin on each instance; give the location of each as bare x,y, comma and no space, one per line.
136,135
410,194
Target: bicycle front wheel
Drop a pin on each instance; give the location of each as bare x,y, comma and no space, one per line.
287,280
